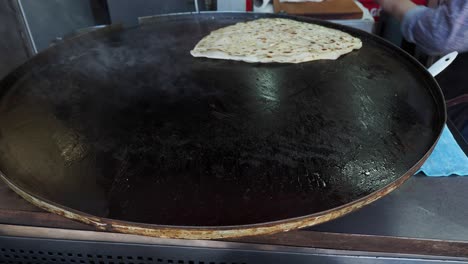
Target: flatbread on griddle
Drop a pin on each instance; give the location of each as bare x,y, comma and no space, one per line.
276,40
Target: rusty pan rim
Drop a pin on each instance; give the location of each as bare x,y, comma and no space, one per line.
218,232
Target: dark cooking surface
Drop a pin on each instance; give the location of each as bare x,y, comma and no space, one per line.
129,126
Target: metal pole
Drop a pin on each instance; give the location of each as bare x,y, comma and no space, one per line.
25,20
196,6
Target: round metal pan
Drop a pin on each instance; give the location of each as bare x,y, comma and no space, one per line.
125,130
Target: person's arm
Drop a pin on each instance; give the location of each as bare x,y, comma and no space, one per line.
436,30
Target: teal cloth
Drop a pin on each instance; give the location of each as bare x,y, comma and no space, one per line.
447,158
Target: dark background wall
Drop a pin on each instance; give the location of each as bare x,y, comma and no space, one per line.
52,19
49,19
14,46
127,12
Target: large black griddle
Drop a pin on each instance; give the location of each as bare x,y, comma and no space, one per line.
125,130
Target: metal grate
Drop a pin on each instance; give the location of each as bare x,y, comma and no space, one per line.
24,250
26,256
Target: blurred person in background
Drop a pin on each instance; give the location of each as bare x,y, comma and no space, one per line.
438,31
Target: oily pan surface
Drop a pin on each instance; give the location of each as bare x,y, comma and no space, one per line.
127,125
